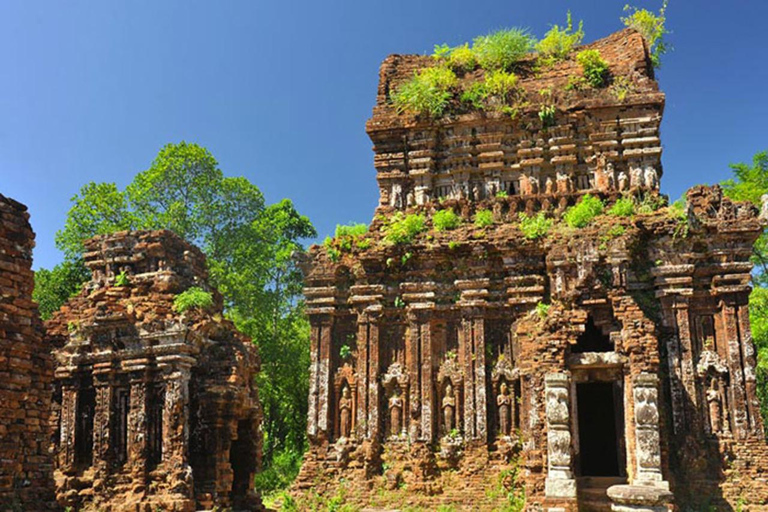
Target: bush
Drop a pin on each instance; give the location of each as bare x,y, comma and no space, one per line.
402,229
353,229
624,207
547,115
444,220
502,49
193,298
122,279
559,42
652,28
281,471
459,57
496,83
483,218
594,67
427,92
536,226
584,211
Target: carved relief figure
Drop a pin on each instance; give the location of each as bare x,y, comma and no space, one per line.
635,177
534,184
504,403
475,192
395,412
549,186
651,178
410,199
610,176
713,399
449,409
345,413
396,198
623,181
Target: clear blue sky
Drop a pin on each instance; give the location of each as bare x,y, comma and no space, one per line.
280,91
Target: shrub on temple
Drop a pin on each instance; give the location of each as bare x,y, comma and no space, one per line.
445,220
594,67
535,226
193,298
502,49
402,229
428,92
623,207
559,42
583,212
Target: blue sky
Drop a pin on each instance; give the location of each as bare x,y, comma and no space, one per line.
280,91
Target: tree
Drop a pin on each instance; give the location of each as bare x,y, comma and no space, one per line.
53,287
250,247
749,183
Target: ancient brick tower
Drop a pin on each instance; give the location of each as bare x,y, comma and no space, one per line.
153,409
26,371
592,367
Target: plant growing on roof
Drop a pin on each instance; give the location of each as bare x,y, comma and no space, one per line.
402,229
459,57
497,84
427,92
535,226
623,207
652,27
192,298
558,42
594,67
502,49
583,212
483,218
444,220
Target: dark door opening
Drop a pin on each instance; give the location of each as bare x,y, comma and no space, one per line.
242,457
600,417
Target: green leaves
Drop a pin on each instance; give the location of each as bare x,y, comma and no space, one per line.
503,48
193,298
559,42
594,67
583,212
652,27
444,220
53,287
428,92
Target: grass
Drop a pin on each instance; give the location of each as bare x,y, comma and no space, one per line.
402,229
583,212
547,115
593,66
192,298
428,92
502,49
535,226
558,42
444,220
458,58
352,229
496,84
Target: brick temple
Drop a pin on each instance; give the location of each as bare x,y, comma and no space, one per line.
152,409
607,366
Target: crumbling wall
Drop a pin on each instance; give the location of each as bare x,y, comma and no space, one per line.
26,371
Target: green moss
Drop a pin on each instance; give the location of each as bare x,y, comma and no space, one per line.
193,298
583,212
444,220
428,92
593,66
535,226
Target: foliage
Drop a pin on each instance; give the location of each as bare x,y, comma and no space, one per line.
352,229
621,86
503,48
758,318
250,248
345,351
547,115
122,279
650,203
593,66
652,28
281,472
483,218
458,57
453,244
558,42
623,207
428,92
535,226
542,309
582,213
496,84
502,194
53,287
402,229
193,298
444,220
333,253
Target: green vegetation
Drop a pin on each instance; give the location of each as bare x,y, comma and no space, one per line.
621,86
623,207
193,298
444,220
593,66
333,253
483,218
547,115
122,279
352,229
583,212
402,229
497,84
428,92
250,248
535,226
542,309
502,49
453,244
53,287
650,203
502,194
651,26
458,58
558,42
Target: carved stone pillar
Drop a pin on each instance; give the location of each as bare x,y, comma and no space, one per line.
101,420
320,375
472,343
560,482
645,390
176,415
67,427
419,364
368,403
737,392
137,426
680,359
750,364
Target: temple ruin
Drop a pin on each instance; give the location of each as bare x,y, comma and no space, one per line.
154,409
26,372
609,367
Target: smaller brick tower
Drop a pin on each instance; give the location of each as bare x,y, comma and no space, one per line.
152,407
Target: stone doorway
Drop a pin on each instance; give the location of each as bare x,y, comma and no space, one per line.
600,418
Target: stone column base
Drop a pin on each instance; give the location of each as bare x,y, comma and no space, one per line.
560,488
639,498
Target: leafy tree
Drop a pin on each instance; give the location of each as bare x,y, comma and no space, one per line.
749,183
53,287
250,248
